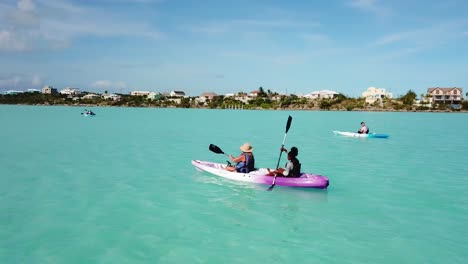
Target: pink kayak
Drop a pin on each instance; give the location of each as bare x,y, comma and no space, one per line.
306,180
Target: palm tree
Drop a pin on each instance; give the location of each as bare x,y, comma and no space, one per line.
261,92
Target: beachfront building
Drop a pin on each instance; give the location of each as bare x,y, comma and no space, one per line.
12,92
70,91
254,93
243,97
139,93
323,94
154,96
205,97
439,95
177,94
113,97
175,100
208,95
276,97
49,90
33,91
373,94
91,96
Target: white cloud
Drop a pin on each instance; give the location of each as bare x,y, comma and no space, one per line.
56,23
107,84
20,81
36,80
120,85
431,36
26,5
132,1
249,25
10,42
389,39
9,82
102,84
317,38
373,6
395,54
364,4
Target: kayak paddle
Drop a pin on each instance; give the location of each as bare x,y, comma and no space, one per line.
288,125
216,149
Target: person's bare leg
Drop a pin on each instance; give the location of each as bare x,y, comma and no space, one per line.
230,168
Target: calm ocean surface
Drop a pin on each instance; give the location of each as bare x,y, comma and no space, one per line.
120,188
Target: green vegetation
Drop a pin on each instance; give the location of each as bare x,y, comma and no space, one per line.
465,105
408,98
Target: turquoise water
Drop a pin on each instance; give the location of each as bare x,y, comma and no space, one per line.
120,188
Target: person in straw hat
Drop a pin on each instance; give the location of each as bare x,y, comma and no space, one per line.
245,161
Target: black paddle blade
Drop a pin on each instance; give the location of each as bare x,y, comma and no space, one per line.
271,187
215,149
288,124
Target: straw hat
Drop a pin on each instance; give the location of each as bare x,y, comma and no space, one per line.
246,147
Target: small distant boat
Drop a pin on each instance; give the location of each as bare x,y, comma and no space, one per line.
88,113
353,134
306,180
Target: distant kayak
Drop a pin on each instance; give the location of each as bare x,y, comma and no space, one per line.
353,134
306,180
89,115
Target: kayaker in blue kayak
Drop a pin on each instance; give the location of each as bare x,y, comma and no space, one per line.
245,161
364,129
292,168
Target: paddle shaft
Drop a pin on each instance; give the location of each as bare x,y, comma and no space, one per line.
277,165
288,125
281,151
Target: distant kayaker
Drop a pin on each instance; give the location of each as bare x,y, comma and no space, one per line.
364,129
245,161
292,168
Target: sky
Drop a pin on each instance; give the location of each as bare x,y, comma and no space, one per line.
197,46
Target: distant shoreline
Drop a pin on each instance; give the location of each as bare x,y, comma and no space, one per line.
252,109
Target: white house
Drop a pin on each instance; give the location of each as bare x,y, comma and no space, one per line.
33,91
175,100
452,95
373,94
177,94
139,93
243,97
154,96
91,96
13,92
254,93
204,97
323,94
114,97
49,90
70,91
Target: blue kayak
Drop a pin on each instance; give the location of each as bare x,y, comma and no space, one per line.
353,134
